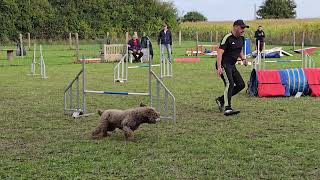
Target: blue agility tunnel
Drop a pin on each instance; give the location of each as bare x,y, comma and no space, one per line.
284,82
294,81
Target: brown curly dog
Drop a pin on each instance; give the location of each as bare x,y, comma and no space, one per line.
128,120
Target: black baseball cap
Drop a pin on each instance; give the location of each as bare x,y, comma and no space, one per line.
240,23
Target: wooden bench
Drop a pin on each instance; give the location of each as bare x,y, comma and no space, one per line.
114,52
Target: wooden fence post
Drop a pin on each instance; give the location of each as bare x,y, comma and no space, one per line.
29,41
77,47
70,40
21,45
180,38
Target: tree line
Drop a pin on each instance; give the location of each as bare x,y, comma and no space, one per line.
91,19
54,19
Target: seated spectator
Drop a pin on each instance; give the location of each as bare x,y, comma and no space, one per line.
135,47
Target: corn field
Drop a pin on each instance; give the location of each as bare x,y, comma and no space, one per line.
280,32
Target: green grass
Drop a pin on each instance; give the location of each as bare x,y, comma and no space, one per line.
272,138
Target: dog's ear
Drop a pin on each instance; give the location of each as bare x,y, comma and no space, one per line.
142,104
100,112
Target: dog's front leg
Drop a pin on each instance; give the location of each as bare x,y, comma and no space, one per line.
128,133
101,130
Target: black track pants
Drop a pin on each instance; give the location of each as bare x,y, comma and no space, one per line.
233,83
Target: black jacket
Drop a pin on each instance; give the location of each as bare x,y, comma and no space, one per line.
144,44
260,35
165,38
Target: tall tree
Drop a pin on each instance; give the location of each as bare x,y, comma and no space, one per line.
194,16
54,19
8,16
277,9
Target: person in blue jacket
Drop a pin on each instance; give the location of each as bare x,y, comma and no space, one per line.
165,41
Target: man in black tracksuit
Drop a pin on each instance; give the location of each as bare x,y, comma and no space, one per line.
231,48
259,35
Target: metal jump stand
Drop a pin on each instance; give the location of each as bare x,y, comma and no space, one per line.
79,107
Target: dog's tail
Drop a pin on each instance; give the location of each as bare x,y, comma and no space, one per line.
100,112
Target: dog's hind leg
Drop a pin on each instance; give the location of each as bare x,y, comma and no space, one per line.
128,133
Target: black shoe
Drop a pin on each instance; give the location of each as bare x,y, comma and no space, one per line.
229,111
220,104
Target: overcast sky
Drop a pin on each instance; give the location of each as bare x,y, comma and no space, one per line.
221,10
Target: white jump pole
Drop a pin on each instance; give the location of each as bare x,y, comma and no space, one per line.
258,55
294,40
161,59
302,49
122,66
42,65
33,64
264,55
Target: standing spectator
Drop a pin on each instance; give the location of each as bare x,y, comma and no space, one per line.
165,41
135,47
259,35
144,44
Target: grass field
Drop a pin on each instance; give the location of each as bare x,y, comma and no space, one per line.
272,138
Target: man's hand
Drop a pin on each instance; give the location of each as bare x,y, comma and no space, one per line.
219,60
245,62
219,71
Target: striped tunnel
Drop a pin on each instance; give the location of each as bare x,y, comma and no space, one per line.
294,81
284,82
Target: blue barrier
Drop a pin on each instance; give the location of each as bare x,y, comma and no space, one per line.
247,50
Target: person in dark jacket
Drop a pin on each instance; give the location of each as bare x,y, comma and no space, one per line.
135,47
144,44
165,41
260,35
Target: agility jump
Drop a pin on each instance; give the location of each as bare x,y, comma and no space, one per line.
79,109
34,64
165,65
260,61
120,71
284,82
